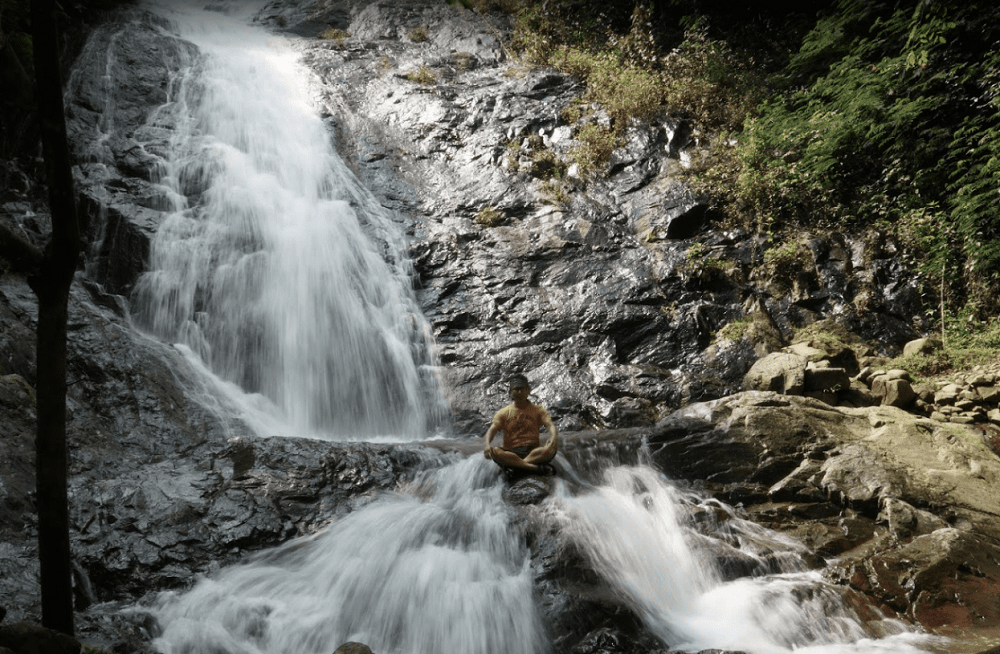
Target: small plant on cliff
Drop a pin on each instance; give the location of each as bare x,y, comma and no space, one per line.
383,65
596,146
489,216
734,330
512,155
545,164
338,36
698,262
419,34
783,263
422,75
554,192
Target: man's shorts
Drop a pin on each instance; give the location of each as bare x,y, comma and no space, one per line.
522,451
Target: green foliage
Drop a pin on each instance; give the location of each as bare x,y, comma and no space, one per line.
631,75
554,192
734,330
889,116
784,262
596,146
489,216
699,263
545,164
419,34
968,343
625,91
422,75
334,34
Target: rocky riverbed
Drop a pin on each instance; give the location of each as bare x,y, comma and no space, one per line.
591,291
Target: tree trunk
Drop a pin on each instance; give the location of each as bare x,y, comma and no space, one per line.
51,284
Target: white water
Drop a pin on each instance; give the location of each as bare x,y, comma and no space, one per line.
633,527
437,568
286,279
276,267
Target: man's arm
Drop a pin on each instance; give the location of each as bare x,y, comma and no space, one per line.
553,442
488,439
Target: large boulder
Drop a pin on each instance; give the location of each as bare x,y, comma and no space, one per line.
780,372
905,507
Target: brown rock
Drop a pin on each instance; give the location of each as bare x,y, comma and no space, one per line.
826,379
922,346
353,648
989,394
894,391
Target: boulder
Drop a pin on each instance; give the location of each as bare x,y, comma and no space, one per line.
923,346
779,372
353,648
898,393
916,496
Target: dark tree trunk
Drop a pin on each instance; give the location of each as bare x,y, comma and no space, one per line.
51,284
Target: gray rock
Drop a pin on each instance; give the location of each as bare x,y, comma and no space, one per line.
826,379
924,346
781,372
898,393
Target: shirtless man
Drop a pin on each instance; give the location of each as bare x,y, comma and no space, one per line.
520,423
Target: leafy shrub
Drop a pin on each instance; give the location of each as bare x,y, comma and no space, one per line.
422,75
419,34
891,115
489,216
334,34
596,146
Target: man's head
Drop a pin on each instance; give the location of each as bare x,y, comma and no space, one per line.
519,381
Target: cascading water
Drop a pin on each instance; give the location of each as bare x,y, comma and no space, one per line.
275,267
437,568
434,570
633,527
281,273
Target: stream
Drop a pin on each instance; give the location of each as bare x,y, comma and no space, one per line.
286,283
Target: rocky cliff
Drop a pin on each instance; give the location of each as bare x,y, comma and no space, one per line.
609,294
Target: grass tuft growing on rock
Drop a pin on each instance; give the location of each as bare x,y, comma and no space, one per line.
489,216
338,36
422,75
419,34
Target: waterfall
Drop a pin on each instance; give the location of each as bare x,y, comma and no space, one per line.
436,567
276,268
636,530
288,284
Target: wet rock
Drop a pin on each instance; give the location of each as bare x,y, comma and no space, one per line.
530,489
353,648
580,614
24,638
874,483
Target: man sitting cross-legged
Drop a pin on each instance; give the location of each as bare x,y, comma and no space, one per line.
520,423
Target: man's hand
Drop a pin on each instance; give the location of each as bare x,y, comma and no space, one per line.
488,453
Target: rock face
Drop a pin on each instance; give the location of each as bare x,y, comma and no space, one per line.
903,506
610,295
605,292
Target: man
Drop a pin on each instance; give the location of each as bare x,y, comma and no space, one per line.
520,423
